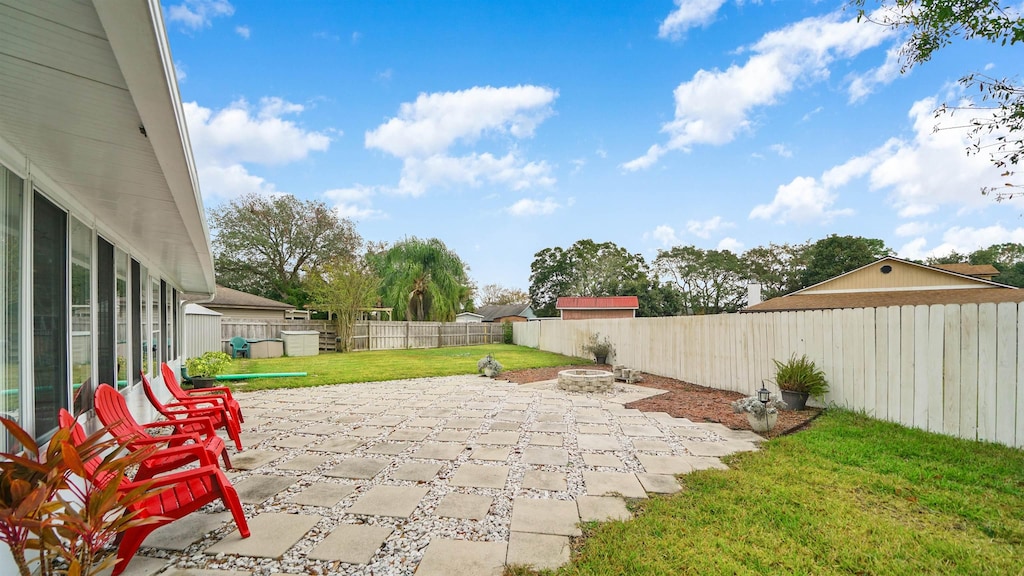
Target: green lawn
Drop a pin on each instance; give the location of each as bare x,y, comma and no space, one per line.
352,367
850,495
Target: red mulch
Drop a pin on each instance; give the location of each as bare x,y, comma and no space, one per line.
682,400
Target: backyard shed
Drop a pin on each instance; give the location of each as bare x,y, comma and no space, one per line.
591,307
202,330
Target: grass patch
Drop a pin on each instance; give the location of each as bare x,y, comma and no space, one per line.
377,365
850,495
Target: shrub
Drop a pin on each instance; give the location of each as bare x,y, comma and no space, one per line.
752,405
599,347
506,333
800,375
209,365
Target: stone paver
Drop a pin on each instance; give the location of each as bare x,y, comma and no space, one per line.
257,488
545,456
597,442
539,439
389,448
540,551
605,483
642,430
423,422
251,439
500,438
651,445
253,459
468,506
453,435
545,516
602,508
659,483
199,572
273,533
717,448
492,453
479,476
304,463
665,464
322,430
325,494
339,445
409,434
354,544
183,533
368,431
417,471
360,468
601,459
465,423
552,427
439,451
293,442
142,566
462,558
541,480
396,501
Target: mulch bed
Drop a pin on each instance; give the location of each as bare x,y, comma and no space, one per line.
682,400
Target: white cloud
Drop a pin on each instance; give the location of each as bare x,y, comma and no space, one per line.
963,240
531,207
198,14
688,14
243,31
781,150
179,72
803,200
703,229
354,203
356,37
425,130
864,84
731,244
913,229
231,181
714,106
577,165
664,234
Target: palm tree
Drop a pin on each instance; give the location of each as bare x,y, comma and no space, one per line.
422,279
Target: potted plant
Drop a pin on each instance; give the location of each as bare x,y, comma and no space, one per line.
762,417
600,348
799,378
203,370
489,366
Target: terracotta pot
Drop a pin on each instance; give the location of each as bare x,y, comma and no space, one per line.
758,422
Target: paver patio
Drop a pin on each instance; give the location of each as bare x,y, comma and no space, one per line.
455,475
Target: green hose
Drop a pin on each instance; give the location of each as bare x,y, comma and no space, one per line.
267,375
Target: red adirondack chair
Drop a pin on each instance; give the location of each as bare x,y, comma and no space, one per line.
216,394
180,494
219,415
113,411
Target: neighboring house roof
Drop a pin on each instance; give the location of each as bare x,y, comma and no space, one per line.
598,303
468,314
231,298
197,310
971,269
893,282
492,312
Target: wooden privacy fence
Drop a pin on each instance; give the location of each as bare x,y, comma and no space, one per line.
378,335
954,369
264,329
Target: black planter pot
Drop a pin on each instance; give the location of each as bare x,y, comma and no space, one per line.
601,359
203,382
794,400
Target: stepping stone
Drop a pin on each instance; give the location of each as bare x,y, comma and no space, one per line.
251,439
717,448
397,501
347,419
462,558
705,463
492,453
742,436
468,506
555,427
545,516
546,440
390,449
198,572
293,442
340,445
437,412
516,407
502,438
539,551
550,417
505,426
385,421
651,445
368,431
412,435
368,409
323,494
665,464
481,405
439,451
359,468
311,416
598,459
183,533
659,483
142,566
303,463
545,456
597,442
605,483
510,416
282,426
471,414
602,508
540,480
323,430
423,422
464,423
273,533
253,459
479,476
651,431
257,488
351,543
453,435
417,471
591,419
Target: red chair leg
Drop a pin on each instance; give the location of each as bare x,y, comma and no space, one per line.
130,542
230,497
227,460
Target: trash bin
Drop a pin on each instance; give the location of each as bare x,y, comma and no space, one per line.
301,342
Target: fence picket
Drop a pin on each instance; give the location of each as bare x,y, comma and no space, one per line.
987,371
969,371
951,370
1006,372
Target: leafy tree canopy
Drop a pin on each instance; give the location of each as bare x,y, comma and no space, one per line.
422,280
835,255
710,281
263,244
776,267
584,269
496,294
342,288
935,24
1008,258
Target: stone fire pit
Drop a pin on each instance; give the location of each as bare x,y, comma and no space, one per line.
585,380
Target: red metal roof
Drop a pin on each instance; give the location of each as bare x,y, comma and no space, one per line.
598,303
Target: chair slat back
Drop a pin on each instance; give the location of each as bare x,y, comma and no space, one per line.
113,412
171,381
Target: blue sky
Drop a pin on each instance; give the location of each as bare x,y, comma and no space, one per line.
506,128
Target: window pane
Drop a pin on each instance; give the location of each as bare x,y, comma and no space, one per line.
106,355
155,343
11,192
81,315
139,357
123,335
165,292
49,310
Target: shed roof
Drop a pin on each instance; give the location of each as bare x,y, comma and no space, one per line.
881,299
598,303
492,312
231,298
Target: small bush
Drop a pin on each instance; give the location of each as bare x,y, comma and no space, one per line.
800,375
506,333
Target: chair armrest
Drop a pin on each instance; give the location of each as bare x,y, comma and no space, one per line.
140,440
219,390
197,450
191,412
205,423
171,479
